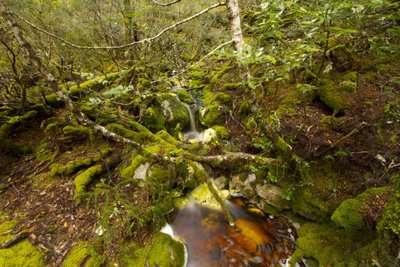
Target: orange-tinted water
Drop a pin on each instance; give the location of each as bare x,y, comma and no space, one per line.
256,239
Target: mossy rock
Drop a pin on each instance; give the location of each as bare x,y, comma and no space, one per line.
202,195
222,132
15,121
175,113
184,96
348,214
215,109
22,253
128,172
391,216
231,86
83,179
85,256
351,212
306,203
161,251
327,244
153,119
54,101
335,97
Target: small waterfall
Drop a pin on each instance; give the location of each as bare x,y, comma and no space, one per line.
193,133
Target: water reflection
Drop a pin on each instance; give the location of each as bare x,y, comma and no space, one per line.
257,240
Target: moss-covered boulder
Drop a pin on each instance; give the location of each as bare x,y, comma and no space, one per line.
215,109
84,255
166,111
325,244
351,213
184,96
22,253
163,250
335,97
175,113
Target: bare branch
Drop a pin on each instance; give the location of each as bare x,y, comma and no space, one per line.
146,40
198,62
166,4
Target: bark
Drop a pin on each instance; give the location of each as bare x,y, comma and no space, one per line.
236,28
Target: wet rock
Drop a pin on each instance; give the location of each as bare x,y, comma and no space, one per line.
244,183
273,195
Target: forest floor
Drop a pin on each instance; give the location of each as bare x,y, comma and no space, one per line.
45,207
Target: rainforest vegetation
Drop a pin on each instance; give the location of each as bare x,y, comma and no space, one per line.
113,112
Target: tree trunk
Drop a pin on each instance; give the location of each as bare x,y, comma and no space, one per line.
236,28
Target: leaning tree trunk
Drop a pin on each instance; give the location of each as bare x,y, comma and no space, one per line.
236,26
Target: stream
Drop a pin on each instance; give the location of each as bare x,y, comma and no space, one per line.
256,239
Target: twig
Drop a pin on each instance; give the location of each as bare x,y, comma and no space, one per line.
165,4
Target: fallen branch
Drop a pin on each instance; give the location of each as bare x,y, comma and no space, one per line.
166,4
18,238
146,40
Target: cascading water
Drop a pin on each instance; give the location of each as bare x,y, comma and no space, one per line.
193,133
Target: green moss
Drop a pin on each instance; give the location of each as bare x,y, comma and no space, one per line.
53,126
78,132
121,130
72,167
76,165
95,114
302,93
351,212
129,171
326,244
85,256
348,86
164,137
391,216
306,203
22,253
220,98
145,83
83,179
202,195
175,113
220,74
54,101
348,215
333,96
93,84
231,86
153,119
221,131
162,251
184,96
